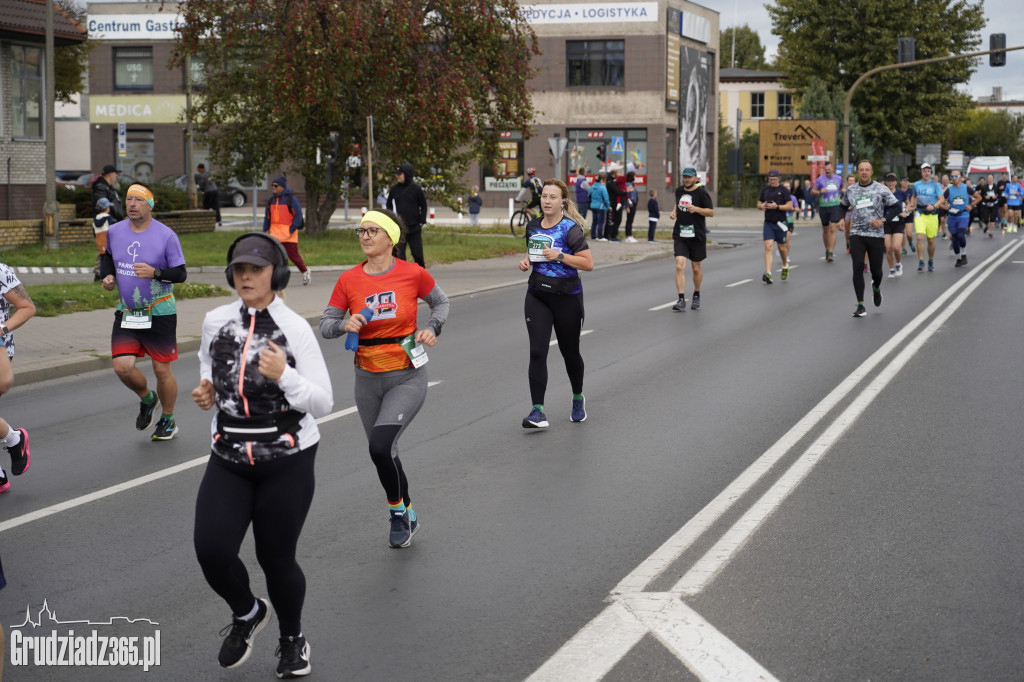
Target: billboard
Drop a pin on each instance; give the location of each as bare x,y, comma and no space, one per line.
788,145
695,88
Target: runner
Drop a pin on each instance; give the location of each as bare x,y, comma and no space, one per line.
12,293
851,180
557,250
961,199
870,206
894,229
908,223
390,361
1001,192
1014,194
774,201
146,256
988,210
261,367
689,235
943,212
828,187
926,198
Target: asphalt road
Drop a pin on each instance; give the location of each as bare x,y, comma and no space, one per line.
758,492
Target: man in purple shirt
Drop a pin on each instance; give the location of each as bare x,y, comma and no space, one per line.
828,187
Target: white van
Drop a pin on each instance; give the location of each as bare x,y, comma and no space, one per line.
980,166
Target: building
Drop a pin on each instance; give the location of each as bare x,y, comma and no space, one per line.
24,88
753,96
636,78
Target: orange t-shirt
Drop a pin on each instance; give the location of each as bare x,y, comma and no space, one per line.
393,296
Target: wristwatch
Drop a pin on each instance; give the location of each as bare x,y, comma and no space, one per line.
561,256
4,331
156,273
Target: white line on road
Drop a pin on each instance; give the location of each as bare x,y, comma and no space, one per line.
610,633
142,480
582,333
662,306
736,284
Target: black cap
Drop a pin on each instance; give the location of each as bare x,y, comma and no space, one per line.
256,250
109,169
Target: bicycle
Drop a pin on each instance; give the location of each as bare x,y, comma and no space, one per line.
521,218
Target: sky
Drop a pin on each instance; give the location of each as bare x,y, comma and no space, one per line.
1004,16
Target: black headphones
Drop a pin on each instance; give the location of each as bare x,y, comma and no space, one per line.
278,280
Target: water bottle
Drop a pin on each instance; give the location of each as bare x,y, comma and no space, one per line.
352,338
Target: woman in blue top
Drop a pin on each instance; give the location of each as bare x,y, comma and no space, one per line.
557,250
600,202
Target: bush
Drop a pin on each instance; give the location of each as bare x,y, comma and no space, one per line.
166,197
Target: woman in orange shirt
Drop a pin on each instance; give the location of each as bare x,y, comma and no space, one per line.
391,378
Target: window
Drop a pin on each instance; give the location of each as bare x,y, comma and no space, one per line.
595,62
785,105
757,105
133,68
27,91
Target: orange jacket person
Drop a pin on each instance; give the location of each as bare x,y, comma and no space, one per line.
283,220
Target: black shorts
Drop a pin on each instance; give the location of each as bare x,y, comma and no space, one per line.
894,227
159,342
694,248
830,214
987,214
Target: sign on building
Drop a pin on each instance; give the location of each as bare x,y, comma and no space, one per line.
788,145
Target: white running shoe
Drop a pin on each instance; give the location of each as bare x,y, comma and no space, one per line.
307,276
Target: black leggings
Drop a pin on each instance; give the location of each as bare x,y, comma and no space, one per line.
563,312
274,496
875,249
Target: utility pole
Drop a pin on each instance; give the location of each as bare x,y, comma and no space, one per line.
50,218
890,67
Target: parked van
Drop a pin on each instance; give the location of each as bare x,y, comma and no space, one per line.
980,166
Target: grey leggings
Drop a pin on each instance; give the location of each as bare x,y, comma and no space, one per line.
387,403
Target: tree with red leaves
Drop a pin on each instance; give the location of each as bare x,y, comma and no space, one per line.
283,80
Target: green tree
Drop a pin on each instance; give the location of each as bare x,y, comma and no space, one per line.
896,109
70,61
988,133
749,50
749,181
441,79
823,102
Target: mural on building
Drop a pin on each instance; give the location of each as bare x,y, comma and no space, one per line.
693,110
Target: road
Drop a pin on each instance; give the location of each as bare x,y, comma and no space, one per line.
766,487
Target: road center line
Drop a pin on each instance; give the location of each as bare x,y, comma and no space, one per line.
736,284
136,482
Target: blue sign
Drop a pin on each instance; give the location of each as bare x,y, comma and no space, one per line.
617,146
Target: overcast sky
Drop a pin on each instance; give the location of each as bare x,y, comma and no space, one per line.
1004,16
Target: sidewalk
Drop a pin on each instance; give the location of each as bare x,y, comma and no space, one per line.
54,347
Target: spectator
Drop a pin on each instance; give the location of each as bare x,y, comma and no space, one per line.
475,202
283,220
407,199
582,192
208,186
103,188
633,197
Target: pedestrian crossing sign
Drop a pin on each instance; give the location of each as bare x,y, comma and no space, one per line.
617,146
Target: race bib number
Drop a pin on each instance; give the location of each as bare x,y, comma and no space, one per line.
136,319
958,201
416,352
536,245
864,202
686,231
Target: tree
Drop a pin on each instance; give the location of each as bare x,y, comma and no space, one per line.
749,181
896,109
442,80
749,50
987,133
822,102
70,61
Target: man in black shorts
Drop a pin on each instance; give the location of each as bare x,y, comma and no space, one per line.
690,235
988,209
828,188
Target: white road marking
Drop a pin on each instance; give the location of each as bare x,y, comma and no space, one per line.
142,480
662,306
708,653
582,333
736,284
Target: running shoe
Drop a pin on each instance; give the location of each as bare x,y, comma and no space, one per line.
829,256
696,302
579,410
5,484
931,266
166,429
785,274
293,657
307,277
899,269
892,273
959,263
401,530
913,249
861,311
414,524
964,259
20,457
146,414
766,278
238,644
877,296
904,251
920,266
680,306
536,419
631,240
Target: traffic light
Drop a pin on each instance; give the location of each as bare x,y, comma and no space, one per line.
602,153
997,41
905,52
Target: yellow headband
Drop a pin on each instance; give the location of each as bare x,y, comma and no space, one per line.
385,223
140,191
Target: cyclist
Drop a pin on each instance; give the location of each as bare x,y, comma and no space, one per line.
535,186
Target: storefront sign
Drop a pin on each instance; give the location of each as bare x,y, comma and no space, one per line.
591,13
786,144
136,108
134,26
492,184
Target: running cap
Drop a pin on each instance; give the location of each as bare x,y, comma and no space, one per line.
690,171
774,173
256,250
926,165
890,176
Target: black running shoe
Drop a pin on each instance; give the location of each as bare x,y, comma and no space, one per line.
20,457
878,296
696,302
963,259
146,414
293,655
680,306
166,429
238,644
861,311
400,534
959,263
766,278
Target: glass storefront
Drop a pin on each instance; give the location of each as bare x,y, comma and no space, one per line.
627,148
